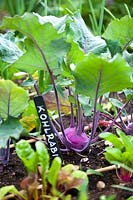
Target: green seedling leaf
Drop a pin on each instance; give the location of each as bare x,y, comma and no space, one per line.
113,154
127,158
13,99
92,171
10,189
122,165
112,138
43,158
44,40
124,188
83,193
128,144
10,128
121,30
114,75
80,175
27,155
53,171
9,52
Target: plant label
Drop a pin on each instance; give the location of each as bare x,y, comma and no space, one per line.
47,128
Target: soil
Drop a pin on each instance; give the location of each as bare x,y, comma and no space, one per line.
15,172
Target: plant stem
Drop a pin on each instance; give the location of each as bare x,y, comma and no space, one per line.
110,13
53,83
41,77
127,10
96,113
101,18
118,114
80,120
94,21
72,111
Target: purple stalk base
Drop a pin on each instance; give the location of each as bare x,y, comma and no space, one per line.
124,175
4,155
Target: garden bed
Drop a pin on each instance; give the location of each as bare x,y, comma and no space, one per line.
98,185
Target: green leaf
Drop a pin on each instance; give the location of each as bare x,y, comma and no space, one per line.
124,188
81,175
114,75
113,154
31,60
114,47
86,40
128,57
126,140
92,171
10,189
53,171
10,128
13,99
44,39
118,104
27,155
112,138
9,52
121,30
43,158
58,22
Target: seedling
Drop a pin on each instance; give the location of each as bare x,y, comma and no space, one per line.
56,180
13,101
120,153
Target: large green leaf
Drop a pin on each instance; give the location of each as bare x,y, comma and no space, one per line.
81,34
45,39
58,22
121,30
43,158
13,99
9,52
10,128
27,155
53,171
113,75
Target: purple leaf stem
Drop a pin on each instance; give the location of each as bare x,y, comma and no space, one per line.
118,114
80,119
96,113
122,122
8,111
53,83
72,110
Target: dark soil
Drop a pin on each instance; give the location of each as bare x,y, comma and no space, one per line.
15,172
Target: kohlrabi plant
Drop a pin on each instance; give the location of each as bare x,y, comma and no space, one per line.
46,180
13,101
65,48
120,153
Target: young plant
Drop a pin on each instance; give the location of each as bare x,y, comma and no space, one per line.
56,181
13,101
120,153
